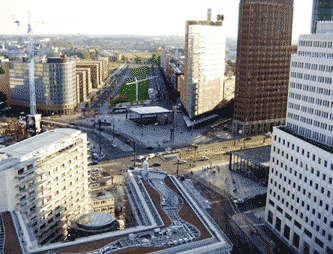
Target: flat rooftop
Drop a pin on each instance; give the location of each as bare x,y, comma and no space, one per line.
312,142
38,142
259,155
149,110
189,213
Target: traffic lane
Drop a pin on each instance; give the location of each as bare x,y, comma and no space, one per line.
97,102
105,144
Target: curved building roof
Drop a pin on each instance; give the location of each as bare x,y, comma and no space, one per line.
95,220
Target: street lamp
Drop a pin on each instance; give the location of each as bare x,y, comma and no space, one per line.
128,142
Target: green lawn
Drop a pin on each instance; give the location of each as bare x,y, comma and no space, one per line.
130,91
140,71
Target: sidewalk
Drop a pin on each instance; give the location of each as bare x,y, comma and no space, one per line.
247,188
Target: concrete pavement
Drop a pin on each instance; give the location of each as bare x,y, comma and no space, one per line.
246,188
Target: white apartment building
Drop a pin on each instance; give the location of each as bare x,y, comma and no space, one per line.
205,67
300,191
44,179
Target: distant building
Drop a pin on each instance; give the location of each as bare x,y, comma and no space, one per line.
95,71
263,64
82,89
55,85
204,67
322,10
88,79
5,80
44,180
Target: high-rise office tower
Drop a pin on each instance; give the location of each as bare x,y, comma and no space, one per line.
322,10
300,189
202,90
263,64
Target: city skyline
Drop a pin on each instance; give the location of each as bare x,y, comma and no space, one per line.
95,20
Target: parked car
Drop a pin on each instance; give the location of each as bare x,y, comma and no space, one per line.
130,167
239,201
141,157
248,138
159,154
177,151
114,145
268,134
204,158
138,163
93,163
151,155
156,165
181,162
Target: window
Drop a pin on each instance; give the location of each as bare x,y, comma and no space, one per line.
320,243
287,216
308,233
297,224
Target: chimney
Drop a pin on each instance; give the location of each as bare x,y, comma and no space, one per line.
209,15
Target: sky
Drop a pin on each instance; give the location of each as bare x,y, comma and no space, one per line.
143,17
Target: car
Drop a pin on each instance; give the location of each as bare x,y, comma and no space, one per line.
93,163
239,201
177,151
156,124
114,145
151,155
248,138
138,163
181,162
130,167
141,157
159,154
156,165
268,134
204,158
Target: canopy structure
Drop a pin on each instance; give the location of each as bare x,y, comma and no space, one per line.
149,115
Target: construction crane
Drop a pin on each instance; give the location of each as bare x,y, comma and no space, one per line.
136,82
31,67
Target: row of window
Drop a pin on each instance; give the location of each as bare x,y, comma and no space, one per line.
318,44
311,183
314,67
309,99
313,134
297,212
297,224
303,152
315,54
311,110
321,79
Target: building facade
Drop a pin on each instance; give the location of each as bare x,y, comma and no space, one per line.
299,201
45,180
204,66
263,64
4,80
322,10
55,83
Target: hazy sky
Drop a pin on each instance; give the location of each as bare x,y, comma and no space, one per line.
147,17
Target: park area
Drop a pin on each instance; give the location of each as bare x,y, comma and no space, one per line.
129,91
141,71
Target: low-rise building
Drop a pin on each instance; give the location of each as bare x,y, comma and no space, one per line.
102,201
